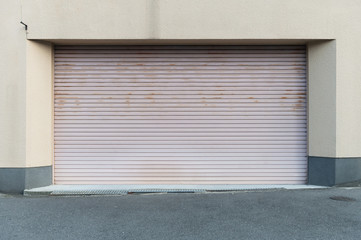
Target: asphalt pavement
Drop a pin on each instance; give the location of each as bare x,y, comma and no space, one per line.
333,213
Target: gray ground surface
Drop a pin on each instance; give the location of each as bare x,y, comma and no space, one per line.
282,214
351,184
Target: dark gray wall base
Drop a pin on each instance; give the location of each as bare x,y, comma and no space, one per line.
326,171
16,180
321,171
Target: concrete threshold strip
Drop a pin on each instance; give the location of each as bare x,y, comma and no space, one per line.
71,190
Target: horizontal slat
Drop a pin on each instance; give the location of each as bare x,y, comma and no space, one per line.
141,60
176,119
106,102
184,79
99,67
180,154
180,64
182,114
187,57
161,51
106,72
180,87
249,137
203,109
185,125
150,150
166,176
180,47
95,182
177,76
270,167
178,54
248,107
138,85
241,130
176,51
180,134
177,122
184,92
178,96
185,178
204,147
179,160
139,90
160,175
140,169
155,142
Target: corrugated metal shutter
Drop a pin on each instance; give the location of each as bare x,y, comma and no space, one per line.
180,115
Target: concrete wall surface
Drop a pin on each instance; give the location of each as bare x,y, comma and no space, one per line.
25,94
12,86
186,19
39,104
322,98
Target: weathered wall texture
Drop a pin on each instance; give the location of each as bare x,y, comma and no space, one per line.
322,98
186,19
25,94
12,86
348,107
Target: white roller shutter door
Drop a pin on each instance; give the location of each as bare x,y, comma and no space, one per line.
180,115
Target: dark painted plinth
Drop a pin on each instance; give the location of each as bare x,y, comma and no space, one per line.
16,180
326,171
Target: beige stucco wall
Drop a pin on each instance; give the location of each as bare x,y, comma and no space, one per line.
12,86
322,98
25,94
348,31
185,19
334,76
39,104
